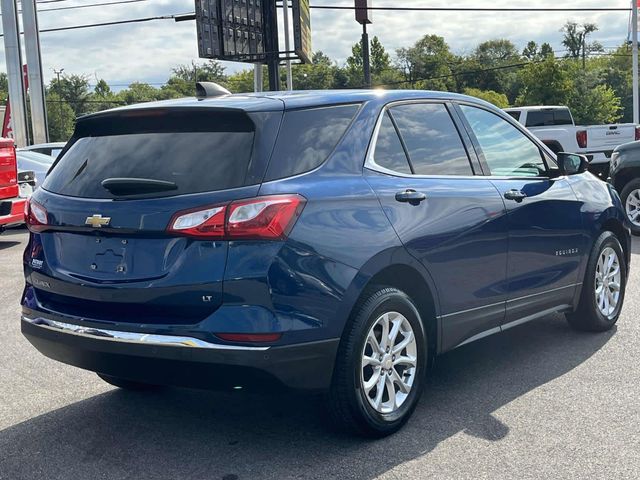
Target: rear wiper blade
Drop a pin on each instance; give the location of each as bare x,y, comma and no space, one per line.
137,186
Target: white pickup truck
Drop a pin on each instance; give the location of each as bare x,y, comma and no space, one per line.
554,125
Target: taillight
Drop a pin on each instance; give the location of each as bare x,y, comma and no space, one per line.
581,137
262,218
207,223
35,216
637,133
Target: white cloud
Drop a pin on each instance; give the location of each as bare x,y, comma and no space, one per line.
147,51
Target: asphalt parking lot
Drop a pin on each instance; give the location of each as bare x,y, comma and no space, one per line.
539,401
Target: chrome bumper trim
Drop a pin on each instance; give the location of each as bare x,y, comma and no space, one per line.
134,337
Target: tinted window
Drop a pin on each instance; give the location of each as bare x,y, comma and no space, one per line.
194,161
549,118
507,151
432,140
389,152
307,138
514,114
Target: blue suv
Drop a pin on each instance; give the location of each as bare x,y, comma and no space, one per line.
331,241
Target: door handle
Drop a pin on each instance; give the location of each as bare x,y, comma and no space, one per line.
411,196
516,195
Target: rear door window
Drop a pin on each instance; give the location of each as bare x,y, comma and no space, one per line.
307,137
431,139
213,154
389,152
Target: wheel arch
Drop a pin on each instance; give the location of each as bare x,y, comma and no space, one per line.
396,268
621,232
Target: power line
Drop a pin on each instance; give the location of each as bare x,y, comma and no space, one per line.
475,9
105,24
119,2
72,7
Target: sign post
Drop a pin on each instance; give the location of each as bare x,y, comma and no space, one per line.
14,72
363,17
34,64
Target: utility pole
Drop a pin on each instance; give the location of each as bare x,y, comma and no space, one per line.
13,57
363,17
285,13
634,30
34,69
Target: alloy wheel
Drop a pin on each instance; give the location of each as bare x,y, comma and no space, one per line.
608,278
389,362
632,207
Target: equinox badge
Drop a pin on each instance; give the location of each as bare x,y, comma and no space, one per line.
97,221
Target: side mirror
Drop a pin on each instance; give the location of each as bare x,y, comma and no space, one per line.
572,163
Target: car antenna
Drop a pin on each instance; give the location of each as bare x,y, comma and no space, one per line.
210,90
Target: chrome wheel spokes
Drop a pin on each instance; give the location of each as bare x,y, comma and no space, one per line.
607,282
632,207
389,362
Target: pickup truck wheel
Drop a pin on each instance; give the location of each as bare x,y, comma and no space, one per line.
127,384
631,200
381,365
603,287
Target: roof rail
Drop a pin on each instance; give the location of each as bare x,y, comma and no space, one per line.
210,90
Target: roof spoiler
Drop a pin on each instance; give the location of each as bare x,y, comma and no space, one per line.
210,90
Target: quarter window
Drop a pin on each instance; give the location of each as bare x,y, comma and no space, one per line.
507,151
431,139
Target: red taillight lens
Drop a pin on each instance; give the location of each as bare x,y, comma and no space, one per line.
35,216
581,137
269,218
637,133
262,218
249,337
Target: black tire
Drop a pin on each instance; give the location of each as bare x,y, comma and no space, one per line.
624,195
348,406
588,316
127,384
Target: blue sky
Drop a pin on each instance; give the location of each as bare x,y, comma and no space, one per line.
146,52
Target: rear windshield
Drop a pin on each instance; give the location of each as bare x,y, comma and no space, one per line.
214,156
549,118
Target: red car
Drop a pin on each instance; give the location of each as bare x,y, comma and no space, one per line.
11,204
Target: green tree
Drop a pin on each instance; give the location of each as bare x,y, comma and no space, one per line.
4,86
139,92
73,89
575,40
60,117
494,57
617,73
500,100
379,59
544,83
428,64
532,52
592,101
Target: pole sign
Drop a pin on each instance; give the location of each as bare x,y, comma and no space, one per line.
302,30
231,30
363,12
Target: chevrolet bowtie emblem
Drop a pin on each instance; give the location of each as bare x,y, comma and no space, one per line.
97,221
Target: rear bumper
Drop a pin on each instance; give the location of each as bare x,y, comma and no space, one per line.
12,211
181,361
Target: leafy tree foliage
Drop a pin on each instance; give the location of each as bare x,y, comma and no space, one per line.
596,87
